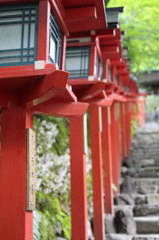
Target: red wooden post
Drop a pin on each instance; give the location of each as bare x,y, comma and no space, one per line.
123,129
98,198
78,180
115,147
15,221
43,30
118,143
127,128
129,125
107,159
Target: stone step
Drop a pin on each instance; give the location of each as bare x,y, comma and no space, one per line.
146,210
141,171
144,148
147,225
137,158
152,199
141,199
144,162
147,185
146,237
116,236
148,172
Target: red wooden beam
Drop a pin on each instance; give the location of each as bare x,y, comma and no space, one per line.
18,76
5,99
110,49
111,42
89,24
15,221
112,55
43,30
93,91
103,102
59,11
97,172
44,89
81,13
61,109
107,159
124,130
114,143
79,218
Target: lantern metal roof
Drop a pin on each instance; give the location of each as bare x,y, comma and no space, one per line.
113,16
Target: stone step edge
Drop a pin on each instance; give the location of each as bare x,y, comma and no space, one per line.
126,236
147,219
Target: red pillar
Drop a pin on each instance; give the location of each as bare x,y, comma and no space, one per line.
115,145
124,143
15,221
127,128
78,180
97,173
107,159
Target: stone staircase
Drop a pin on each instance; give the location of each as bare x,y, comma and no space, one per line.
137,207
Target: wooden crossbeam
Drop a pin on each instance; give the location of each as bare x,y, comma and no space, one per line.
45,89
61,109
82,13
4,99
93,91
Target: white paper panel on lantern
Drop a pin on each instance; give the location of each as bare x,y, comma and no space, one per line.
73,63
10,36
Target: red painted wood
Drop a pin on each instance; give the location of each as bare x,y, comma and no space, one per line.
113,55
93,91
5,98
43,90
79,216
114,139
123,130
15,221
97,172
107,159
92,60
16,77
58,10
110,49
43,31
84,13
63,58
86,25
103,102
61,109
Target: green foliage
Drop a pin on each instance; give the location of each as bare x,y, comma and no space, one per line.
152,102
52,179
55,221
61,141
140,23
134,126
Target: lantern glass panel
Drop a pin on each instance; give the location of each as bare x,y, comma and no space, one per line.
77,61
55,41
18,25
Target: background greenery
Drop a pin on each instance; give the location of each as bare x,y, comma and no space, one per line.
140,23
